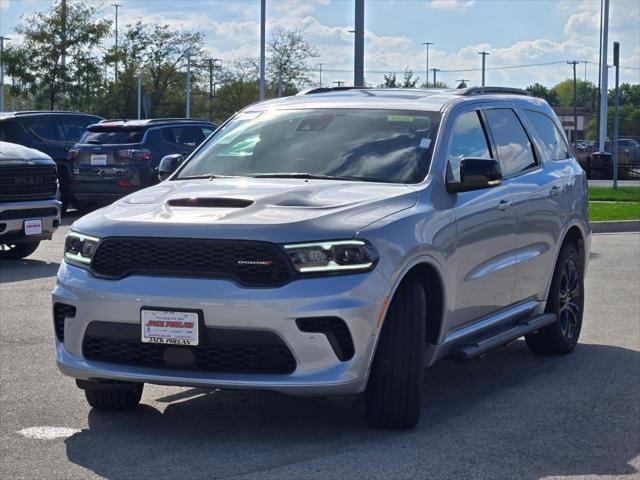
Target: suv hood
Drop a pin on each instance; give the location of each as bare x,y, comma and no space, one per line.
275,210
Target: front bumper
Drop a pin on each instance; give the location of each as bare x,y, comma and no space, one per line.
13,215
356,299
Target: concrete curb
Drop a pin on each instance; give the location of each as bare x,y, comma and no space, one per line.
616,227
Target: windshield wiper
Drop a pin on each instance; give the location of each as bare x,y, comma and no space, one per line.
300,175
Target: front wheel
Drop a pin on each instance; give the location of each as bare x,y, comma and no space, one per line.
394,391
566,301
17,251
112,399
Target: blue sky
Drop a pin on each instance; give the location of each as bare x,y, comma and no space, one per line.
515,32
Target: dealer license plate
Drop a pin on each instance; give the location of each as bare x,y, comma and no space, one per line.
32,227
169,327
98,159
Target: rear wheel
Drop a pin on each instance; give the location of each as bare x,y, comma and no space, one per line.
566,301
17,251
112,399
394,391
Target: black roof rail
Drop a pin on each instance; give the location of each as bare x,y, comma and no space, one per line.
311,91
488,90
31,112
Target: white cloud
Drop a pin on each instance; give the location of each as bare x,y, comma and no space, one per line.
451,4
5,4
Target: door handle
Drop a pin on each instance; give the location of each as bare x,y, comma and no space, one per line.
555,191
504,205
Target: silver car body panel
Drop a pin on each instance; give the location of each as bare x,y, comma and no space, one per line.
495,264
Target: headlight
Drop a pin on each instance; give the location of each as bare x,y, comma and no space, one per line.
332,256
79,248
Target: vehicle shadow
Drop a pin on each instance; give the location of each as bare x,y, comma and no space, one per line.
26,269
510,414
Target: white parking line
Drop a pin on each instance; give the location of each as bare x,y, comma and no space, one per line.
48,433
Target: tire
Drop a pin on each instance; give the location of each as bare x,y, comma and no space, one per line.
566,301
124,399
394,391
17,251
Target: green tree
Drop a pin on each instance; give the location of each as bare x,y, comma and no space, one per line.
37,62
585,93
548,94
239,87
629,95
390,81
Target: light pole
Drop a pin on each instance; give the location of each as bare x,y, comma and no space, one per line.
262,45
484,55
188,95
427,70
117,5
2,39
358,45
434,76
616,63
573,64
139,80
320,69
604,74
212,86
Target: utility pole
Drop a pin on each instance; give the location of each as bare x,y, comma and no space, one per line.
262,45
484,56
604,74
358,57
188,109
320,71
599,70
2,39
117,5
427,70
339,82
616,63
573,64
139,79
434,76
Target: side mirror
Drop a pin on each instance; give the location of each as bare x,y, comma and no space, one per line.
476,174
168,165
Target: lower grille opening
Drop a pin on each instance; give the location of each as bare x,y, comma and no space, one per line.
28,213
221,350
60,312
336,331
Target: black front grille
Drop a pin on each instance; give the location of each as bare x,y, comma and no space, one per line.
60,312
336,331
250,263
27,182
220,350
28,213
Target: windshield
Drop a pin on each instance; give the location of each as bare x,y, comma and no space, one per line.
367,145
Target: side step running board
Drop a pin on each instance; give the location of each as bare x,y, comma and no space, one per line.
502,337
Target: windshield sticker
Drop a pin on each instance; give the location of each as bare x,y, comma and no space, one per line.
425,142
399,118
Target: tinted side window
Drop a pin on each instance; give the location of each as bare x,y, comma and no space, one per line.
74,127
187,136
514,148
551,137
467,140
43,129
8,132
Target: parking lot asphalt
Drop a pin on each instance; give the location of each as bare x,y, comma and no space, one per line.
508,415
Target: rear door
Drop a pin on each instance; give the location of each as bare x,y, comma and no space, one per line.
485,225
182,138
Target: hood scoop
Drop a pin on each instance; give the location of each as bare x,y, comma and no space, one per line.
210,202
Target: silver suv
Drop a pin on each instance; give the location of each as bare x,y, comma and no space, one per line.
333,243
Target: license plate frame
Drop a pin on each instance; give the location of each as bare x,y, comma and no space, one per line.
171,334
33,226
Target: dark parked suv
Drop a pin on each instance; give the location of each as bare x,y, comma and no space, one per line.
117,157
53,133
